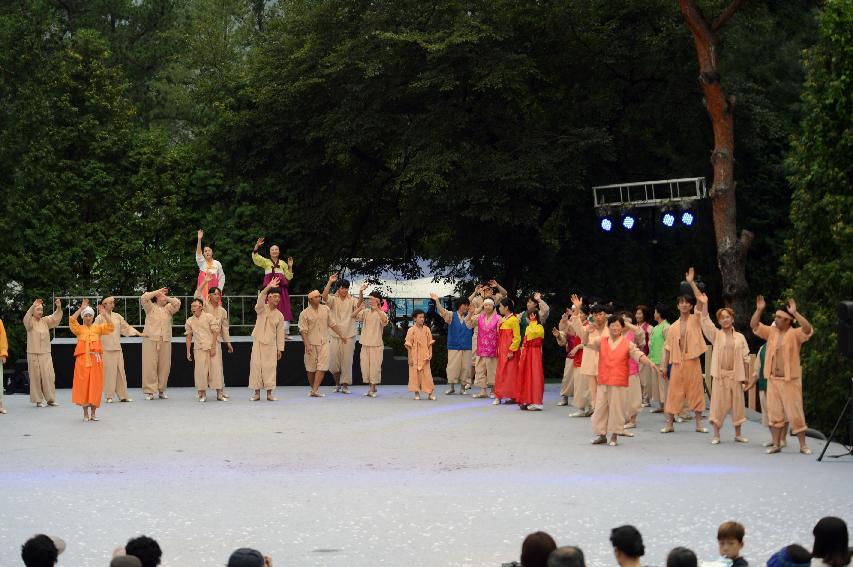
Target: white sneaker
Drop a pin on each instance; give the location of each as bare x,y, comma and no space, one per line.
109,400
149,396
202,399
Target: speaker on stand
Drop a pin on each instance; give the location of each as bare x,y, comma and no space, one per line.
845,347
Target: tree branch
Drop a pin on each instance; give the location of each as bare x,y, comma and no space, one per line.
696,21
724,18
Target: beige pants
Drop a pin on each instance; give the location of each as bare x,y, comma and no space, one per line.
340,358
685,383
646,379
318,360
115,378
371,364
727,396
586,387
487,366
609,415
762,398
42,378
156,363
459,367
217,370
785,404
262,366
658,386
634,397
567,386
203,364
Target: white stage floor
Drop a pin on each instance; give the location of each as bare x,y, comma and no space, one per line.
352,481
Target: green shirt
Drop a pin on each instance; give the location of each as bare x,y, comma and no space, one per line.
656,342
762,381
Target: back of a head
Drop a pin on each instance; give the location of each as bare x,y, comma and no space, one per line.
536,549
146,549
567,556
39,551
628,540
831,541
125,561
246,557
792,556
681,557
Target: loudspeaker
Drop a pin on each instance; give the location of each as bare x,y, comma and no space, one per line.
845,329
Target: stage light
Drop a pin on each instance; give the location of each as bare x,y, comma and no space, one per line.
606,224
687,218
668,219
628,222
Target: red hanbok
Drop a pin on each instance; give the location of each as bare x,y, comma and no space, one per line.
531,377
506,376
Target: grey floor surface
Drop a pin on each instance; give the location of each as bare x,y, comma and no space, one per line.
352,481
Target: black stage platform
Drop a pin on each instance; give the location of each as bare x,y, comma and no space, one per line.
291,368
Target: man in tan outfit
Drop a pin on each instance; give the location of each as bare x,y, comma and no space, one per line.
373,321
267,342
315,321
203,329
157,341
213,305
39,359
342,305
115,377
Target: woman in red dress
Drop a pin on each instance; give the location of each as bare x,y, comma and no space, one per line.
509,341
531,377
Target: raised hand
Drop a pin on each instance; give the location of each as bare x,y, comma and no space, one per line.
689,276
274,282
792,306
333,278
290,263
537,296
760,304
85,303
493,283
200,234
259,242
102,311
163,291
433,296
56,303
701,297
207,276
577,301
555,331
363,287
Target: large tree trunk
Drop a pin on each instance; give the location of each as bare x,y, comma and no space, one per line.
731,249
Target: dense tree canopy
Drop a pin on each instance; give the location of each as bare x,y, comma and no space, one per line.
370,134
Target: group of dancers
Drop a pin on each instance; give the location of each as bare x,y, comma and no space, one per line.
616,363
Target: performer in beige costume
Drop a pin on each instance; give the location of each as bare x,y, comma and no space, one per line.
213,305
315,321
584,399
342,306
157,341
115,377
373,321
39,359
203,330
267,342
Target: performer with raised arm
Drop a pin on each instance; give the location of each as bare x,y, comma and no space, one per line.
509,343
531,375
634,400
657,339
213,305
729,366
202,328
459,337
419,343
615,352
342,306
88,384
267,342
571,342
373,320
274,267
115,377
207,265
683,347
157,341
39,359
783,371
584,399
486,324
315,322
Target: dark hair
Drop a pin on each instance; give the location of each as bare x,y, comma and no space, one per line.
663,310
39,551
647,313
197,300
375,294
597,308
831,541
688,298
624,313
154,299
146,549
681,557
628,540
214,289
417,312
507,302
534,300
244,556
615,319
731,530
274,290
568,556
796,553
344,283
536,549
457,303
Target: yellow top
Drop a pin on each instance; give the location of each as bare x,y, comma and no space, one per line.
86,335
266,264
511,322
4,342
534,331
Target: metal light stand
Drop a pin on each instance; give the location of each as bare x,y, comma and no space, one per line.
847,406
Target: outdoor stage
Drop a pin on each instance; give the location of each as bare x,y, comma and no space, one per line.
352,481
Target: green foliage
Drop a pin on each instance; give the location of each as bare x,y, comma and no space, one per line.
818,263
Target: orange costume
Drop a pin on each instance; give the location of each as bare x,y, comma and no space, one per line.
784,376
684,344
613,370
88,382
419,344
